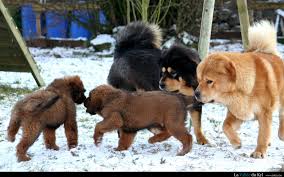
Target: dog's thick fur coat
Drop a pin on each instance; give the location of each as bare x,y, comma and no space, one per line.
45,110
250,84
136,56
132,111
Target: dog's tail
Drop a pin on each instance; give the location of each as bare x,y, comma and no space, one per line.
138,35
14,126
32,108
262,38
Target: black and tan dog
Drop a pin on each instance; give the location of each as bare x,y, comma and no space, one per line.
129,112
45,110
178,65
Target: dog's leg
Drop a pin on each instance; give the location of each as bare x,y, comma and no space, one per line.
13,127
281,123
71,132
110,123
264,133
179,131
125,140
196,122
230,126
31,131
49,138
162,136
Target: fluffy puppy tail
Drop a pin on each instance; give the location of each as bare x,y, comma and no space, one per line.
14,126
262,38
139,35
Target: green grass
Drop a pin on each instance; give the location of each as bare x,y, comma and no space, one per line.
6,90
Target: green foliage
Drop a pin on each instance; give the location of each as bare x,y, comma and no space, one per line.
6,90
121,12
153,12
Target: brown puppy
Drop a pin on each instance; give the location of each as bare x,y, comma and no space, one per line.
249,84
133,111
45,110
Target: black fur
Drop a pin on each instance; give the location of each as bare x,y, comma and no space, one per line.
184,61
136,59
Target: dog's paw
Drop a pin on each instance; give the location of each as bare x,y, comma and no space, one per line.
9,138
202,140
119,148
71,146
23,158
237,145
152,140
258,155
53,147
98,140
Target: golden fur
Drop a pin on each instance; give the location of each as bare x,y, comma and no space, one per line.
250,84
44,111
132,111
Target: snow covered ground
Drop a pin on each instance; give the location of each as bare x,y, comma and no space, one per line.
141,156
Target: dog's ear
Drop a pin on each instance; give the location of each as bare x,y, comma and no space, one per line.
230,70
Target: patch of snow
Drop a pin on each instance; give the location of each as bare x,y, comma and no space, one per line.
102,39
169,43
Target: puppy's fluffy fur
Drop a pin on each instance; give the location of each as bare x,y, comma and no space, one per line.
45,110
133,111
178,65
249,84
136,57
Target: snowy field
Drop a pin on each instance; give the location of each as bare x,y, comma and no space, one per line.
141,156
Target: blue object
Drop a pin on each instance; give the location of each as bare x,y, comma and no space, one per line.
28,21
76,29
56,25
102,18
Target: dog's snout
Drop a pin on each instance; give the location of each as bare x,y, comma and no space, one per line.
197,94
162,85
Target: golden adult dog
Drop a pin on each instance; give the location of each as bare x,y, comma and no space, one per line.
249,84
130,112
44,111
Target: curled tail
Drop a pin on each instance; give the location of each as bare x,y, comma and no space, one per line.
262,38
138,35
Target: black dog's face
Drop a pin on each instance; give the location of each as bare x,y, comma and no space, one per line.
178,70
170,80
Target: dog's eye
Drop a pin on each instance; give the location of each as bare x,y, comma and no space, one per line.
209,81
84,90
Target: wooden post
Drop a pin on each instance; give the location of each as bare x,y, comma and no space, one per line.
206,25
244,21
38,24
21,44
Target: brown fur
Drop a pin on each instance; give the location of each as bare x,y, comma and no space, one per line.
130,112
249,84
34,118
